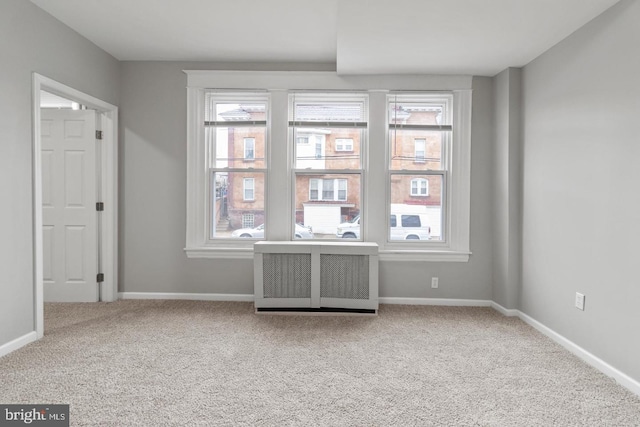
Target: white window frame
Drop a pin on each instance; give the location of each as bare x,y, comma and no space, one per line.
252,142
246,188
246,221
336,189
343,145
455,180
419,184
416,157
279,180
296,127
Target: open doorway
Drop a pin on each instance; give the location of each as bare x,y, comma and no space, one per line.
75,196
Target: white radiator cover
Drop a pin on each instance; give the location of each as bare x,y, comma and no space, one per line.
316,275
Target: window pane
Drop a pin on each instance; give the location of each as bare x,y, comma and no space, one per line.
327,189
418,113
329,111
328,148
249,148
238,205
240,147
239,111
416,149
338,203
416,207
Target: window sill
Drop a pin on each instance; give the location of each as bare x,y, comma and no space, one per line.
220,252
385,255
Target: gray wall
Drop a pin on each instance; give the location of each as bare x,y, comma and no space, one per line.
581,209
507,188
153,201
31,40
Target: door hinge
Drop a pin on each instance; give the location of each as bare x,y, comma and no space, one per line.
98,134
100,277
100,206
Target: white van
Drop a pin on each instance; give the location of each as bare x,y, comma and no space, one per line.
403,226
409,226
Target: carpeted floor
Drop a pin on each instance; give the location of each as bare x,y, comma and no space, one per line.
156,363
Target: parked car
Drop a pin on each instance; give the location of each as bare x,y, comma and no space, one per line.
302,232
403,226
349,229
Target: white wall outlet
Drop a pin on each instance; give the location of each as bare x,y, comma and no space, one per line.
579,301
434,282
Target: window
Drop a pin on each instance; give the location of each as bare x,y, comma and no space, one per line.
344,144
249,148
419,187
420,141
329,189
234,139
249,189
420,146
410,220
315,156
328,179
248,220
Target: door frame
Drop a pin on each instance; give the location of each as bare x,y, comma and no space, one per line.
108,187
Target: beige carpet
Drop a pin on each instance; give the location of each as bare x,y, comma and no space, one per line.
156,363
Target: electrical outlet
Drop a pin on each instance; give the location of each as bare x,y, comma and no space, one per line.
579,301
434,282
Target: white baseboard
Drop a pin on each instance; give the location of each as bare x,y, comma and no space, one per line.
619,376
17,343
509,312
436,301
186,296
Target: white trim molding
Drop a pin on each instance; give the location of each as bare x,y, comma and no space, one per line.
599,364
109,191
186,296
275,87
18,343
449,302
509,312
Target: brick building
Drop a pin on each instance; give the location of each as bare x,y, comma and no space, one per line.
324,200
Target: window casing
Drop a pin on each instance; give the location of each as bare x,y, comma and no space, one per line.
328,189
249,148
248,220
420,147
249,189
282,170
419,187
344,144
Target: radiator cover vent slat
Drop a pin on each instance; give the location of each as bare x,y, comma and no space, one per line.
344,276
287,275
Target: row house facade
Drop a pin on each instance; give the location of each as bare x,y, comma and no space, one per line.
324,200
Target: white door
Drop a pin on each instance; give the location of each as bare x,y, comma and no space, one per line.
69,187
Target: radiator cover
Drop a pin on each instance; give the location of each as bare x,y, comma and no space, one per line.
316,275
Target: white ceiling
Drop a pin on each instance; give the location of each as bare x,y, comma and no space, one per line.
478,37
